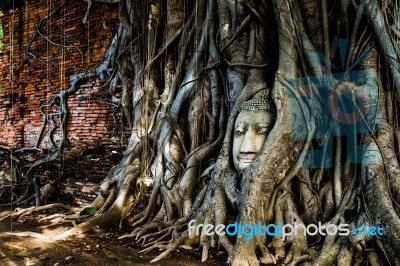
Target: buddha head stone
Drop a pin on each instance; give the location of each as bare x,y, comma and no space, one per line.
253,124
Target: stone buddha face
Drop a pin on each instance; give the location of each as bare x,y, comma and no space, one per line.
252,126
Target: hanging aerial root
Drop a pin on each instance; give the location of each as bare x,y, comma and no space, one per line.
309,197
326,200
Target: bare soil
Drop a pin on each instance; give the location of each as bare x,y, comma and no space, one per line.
96,248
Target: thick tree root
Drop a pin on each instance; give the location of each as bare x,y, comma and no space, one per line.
178,127
19,213
168,248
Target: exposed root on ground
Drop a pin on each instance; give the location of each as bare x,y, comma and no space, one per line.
20,213
183,125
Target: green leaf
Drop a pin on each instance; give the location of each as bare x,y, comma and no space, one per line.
88,211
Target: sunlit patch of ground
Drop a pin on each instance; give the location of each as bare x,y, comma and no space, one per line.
97,248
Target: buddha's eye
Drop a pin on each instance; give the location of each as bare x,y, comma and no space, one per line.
262,131
239,131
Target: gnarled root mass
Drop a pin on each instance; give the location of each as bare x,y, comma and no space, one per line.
329,167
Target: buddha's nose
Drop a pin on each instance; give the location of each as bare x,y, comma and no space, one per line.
248,144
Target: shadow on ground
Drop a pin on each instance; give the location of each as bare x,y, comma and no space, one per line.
97,248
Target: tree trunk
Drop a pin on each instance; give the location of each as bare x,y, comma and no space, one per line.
186,69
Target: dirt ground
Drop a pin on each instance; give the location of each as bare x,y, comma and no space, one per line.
96,248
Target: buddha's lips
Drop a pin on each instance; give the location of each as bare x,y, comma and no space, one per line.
247,157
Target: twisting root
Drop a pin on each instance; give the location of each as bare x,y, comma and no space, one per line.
373,259
163,234
299,260
109,201
23,212
345,255
170,247
141,230
55,216
329,252
144,216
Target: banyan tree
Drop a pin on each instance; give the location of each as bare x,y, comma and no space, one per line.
255,112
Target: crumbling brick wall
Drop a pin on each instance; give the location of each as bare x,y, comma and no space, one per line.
37,59
44,44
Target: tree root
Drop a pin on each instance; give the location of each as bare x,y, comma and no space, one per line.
345,255
168,247
20,199
329,252
28,211
158,237
145,229
264,191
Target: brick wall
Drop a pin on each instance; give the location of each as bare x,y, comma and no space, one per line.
34,66
34,69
